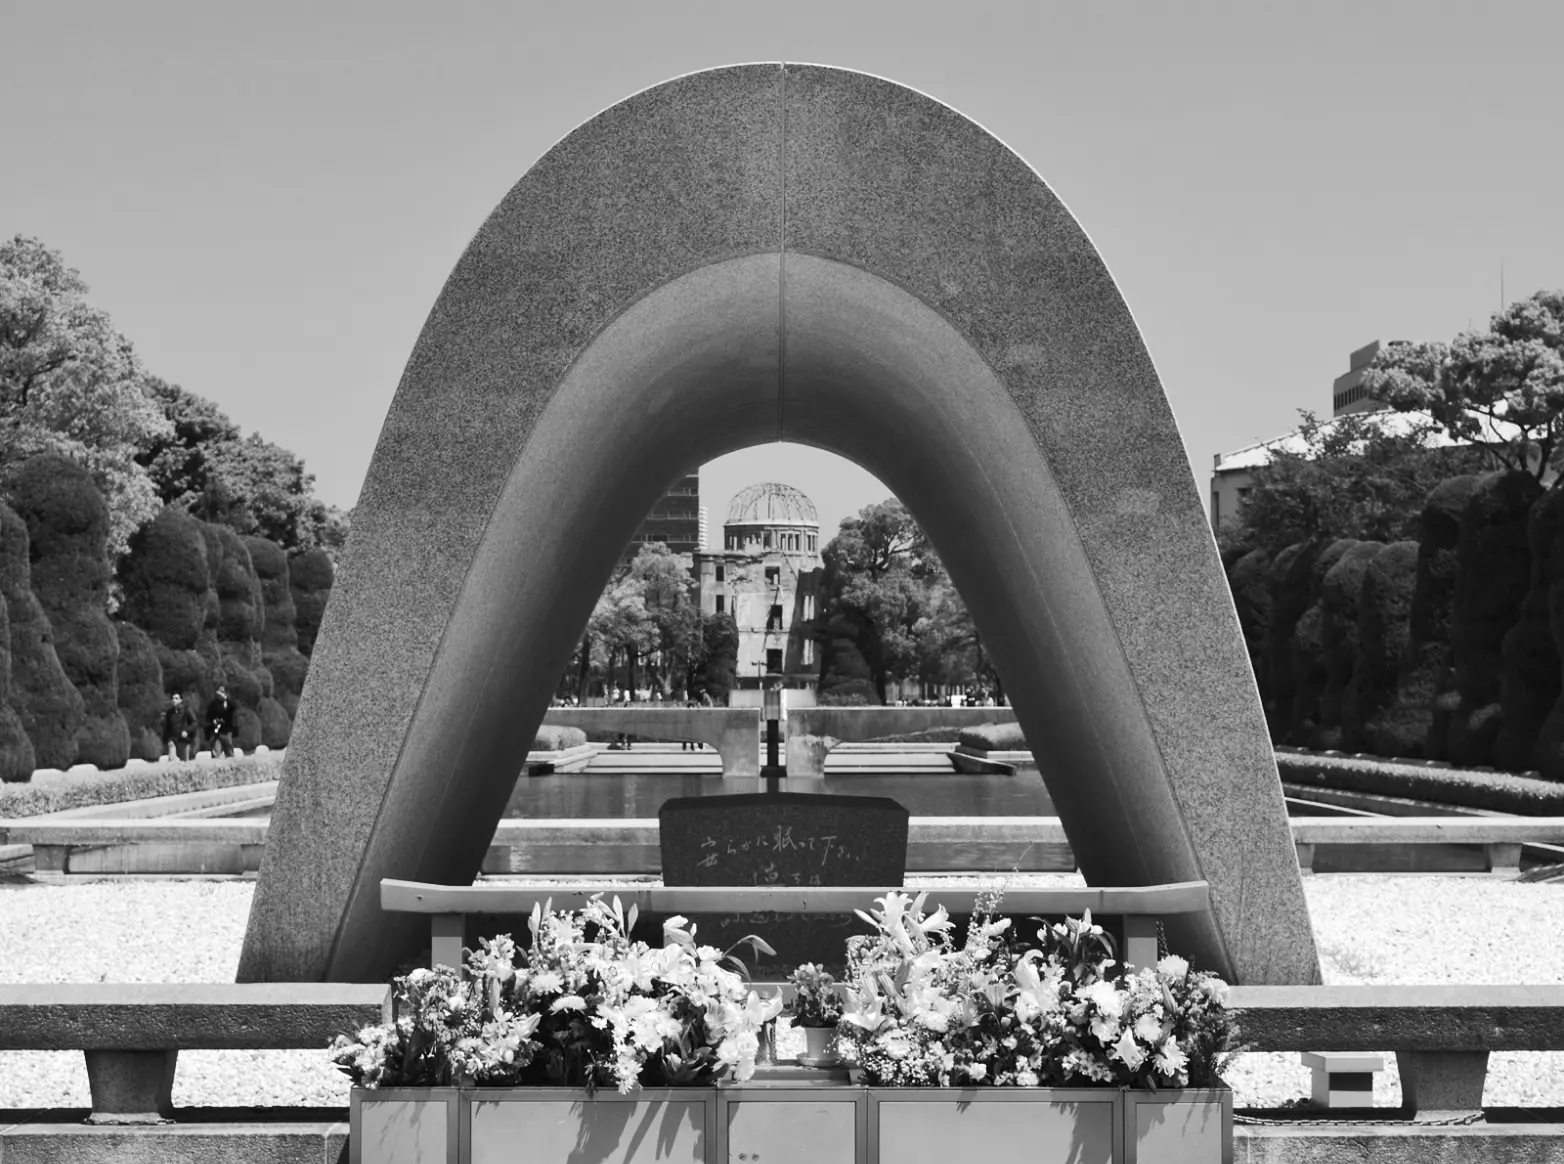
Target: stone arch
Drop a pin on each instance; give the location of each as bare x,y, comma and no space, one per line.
749,254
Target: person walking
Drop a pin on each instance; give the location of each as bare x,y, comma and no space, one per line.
220,723
179,729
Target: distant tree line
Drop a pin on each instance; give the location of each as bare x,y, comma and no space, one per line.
1405,600
648,632
146,546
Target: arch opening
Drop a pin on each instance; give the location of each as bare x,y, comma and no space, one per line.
999,444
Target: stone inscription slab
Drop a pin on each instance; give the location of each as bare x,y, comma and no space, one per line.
789,839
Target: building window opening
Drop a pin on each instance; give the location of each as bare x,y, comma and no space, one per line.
765,540
774,619
773,575
722,601
774,659
811,543
721,574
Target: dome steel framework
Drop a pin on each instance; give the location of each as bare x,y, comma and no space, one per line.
771,503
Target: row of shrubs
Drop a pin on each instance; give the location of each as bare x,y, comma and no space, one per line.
198,606
138,783
1446,647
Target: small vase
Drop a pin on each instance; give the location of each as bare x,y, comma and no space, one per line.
820,1042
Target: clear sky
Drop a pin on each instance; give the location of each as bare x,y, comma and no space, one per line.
268,197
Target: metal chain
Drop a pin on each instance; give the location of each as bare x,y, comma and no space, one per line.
1448,1122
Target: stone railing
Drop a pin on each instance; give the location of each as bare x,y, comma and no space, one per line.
132,1033
733,731
813,731
630,845
1442,1035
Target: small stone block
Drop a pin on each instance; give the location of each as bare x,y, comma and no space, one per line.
131,1087
1504,858
1440,1084
1342,1079
1305,856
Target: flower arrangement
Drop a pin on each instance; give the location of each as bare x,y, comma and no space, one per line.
816,1002
924,1012
582,1006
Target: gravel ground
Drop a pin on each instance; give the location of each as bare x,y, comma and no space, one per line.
1370,928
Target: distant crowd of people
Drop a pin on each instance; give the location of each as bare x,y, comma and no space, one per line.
183,733
625,697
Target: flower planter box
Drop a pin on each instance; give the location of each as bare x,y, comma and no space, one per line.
782,1122
919,1125
493,1125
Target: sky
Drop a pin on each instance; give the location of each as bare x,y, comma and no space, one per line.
267,198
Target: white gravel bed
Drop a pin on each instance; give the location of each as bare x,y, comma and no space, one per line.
1370,928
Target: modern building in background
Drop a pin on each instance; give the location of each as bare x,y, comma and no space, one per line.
1232,474
1348,393
767,576
676,519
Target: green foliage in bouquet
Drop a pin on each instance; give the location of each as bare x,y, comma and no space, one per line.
816,1002
925,1012
582,1006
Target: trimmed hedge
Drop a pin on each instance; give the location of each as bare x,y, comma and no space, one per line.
167,590
1249,580
1529,685
1340,591
1494,791
935,735
279,631
49,708
1307,648
1550,740
554,738
68,531
17,800
141,699
1493,574
276,724
1289,582
994,737
1384,631
1411,725
310,576
1306,654
17,759
240,619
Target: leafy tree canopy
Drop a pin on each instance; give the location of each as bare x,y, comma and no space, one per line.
1502,389
246,483
70,384
1357,476
884,580
650,612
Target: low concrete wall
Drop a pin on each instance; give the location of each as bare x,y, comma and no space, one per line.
734,732
814,731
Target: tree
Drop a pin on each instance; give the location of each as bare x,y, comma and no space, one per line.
672,604
718,669
1502,389
254,487
1361,476
887,595
72,385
